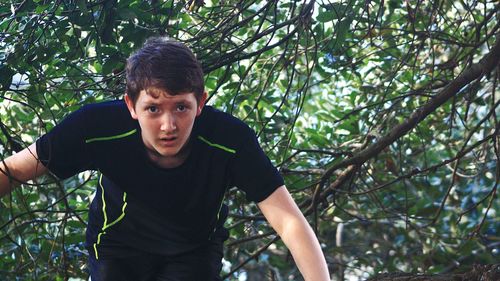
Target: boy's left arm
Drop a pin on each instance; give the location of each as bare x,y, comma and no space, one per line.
286,218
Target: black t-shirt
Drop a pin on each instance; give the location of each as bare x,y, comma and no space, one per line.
139,205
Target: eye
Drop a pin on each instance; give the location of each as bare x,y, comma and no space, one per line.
152,109
181,108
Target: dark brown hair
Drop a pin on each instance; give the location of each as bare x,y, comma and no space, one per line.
166,65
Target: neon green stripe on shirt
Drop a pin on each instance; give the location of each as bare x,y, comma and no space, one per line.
227,149
112,137
105,224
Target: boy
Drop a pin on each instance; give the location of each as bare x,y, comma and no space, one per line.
165,161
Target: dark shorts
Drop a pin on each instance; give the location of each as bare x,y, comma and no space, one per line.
204,263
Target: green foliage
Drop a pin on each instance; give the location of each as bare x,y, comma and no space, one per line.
321,83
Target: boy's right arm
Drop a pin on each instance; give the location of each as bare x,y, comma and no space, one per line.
21,167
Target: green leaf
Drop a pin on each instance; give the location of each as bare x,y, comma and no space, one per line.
6,74
341,31
126,14
82,5
112,64
340,9
326,16
41,8
75,238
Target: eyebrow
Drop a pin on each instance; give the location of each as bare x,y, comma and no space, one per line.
149,103
154,102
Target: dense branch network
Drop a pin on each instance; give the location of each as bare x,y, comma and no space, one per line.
349,98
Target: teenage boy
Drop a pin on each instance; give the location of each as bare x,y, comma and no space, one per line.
165,161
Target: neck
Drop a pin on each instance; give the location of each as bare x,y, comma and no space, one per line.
169,162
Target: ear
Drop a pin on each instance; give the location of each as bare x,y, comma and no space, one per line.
130,106
201,104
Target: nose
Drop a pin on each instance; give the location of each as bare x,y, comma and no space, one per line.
168,124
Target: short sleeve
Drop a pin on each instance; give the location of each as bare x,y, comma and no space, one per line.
62,150
253,172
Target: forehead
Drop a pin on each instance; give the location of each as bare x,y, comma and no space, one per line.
159,96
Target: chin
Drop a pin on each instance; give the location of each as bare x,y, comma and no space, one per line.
168,153
162,152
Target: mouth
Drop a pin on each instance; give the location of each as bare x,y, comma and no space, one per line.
168,141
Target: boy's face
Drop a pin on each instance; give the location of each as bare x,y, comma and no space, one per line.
166,122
